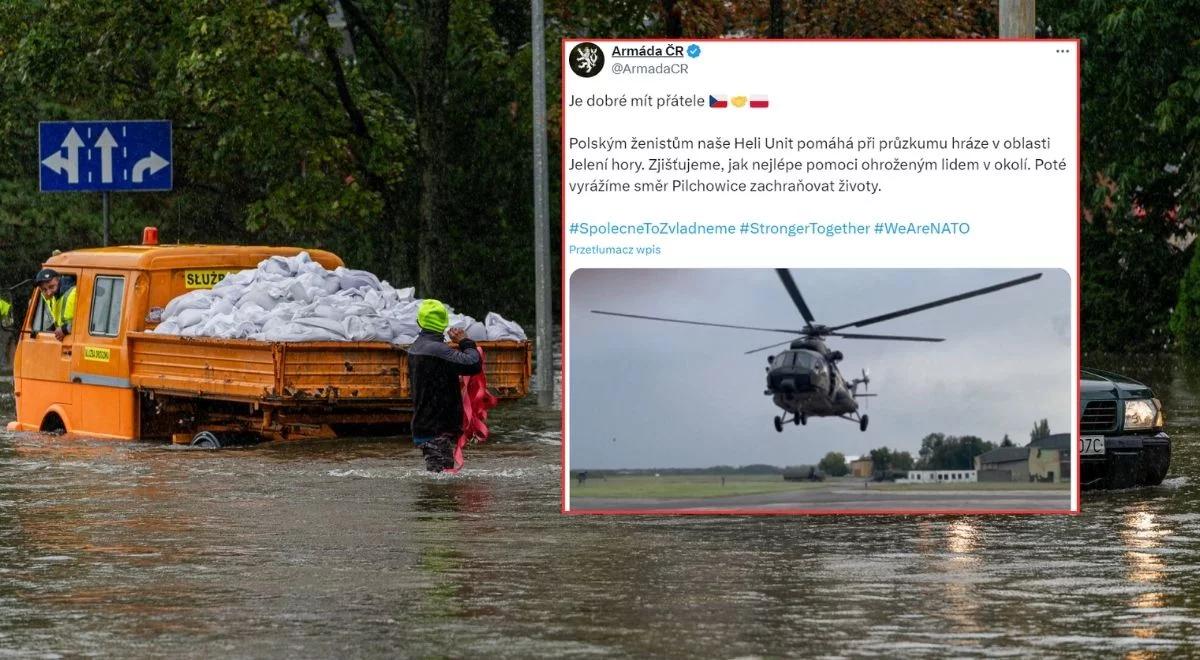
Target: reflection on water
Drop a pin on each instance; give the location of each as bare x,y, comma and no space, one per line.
320,548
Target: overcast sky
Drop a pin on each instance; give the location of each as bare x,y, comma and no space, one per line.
676,395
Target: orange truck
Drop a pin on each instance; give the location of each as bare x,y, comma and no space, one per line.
110,378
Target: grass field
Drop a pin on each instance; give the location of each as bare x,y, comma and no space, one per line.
977,486
683,486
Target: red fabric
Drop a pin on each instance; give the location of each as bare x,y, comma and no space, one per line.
477,401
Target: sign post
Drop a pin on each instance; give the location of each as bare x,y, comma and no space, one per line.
543,284
103,156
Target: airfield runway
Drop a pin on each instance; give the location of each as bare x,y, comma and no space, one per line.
843,497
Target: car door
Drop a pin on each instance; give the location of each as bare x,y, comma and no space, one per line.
105,400
42,372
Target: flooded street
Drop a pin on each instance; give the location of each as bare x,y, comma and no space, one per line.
349,548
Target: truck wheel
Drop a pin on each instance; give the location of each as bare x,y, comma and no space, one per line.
778,424
53,424
206,440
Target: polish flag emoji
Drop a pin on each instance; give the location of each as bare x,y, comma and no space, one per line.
758,101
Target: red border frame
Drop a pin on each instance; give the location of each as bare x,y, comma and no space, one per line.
1075,463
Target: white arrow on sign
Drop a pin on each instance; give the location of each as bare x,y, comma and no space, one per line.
70,164
153,163
106,144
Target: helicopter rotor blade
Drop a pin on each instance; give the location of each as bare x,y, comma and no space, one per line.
937,303
853,335
788,283
766,347
715,325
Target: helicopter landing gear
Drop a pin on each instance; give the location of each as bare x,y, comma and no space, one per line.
779,423
802,419
855,417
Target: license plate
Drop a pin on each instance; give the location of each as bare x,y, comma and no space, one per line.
1091,445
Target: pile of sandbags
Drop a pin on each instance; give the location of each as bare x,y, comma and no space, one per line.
297,299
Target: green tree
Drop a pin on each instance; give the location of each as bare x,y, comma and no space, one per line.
902,461
1139,185
1185,320
289,130
834,464
931,445
941,452
850,18
881,459
1041,429
1007,442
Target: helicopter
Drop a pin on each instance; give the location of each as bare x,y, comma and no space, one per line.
804,380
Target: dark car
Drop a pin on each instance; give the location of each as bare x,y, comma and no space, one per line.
1122,443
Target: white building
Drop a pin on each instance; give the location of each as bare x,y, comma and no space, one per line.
939,477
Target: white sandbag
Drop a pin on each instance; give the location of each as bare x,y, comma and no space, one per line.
402,327
300,293
259,295
232,295
168,327
275,266
297,299
286,331
243,330
403,340
383,327
476,331
191,300
326,282
355,309
221,307
237,280
333,330
499,328
357,279
253,314
191,317
226,326
355,328
326,311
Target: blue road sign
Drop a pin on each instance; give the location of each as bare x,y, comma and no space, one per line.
88,156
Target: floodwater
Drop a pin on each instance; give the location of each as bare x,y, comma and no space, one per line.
348,548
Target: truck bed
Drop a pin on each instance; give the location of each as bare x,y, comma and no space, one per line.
297,372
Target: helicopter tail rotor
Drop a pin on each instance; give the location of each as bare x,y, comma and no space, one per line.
865,381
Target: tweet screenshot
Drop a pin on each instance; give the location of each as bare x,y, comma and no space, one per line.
821,277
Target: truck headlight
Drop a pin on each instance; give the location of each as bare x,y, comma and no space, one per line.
1140,414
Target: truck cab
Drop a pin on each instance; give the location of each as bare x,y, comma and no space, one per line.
109,378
